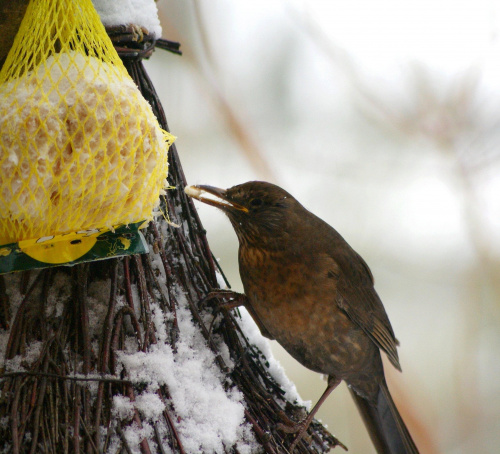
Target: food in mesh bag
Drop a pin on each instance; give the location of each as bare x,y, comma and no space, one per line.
80,148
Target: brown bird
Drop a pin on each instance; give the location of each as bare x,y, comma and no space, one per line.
309,290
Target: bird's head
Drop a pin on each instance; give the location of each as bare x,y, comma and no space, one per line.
259,212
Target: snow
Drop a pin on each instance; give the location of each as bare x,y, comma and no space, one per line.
210,418
22,363
123,12
135,434
150,405
123,407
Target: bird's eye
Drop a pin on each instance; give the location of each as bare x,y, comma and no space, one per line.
256,202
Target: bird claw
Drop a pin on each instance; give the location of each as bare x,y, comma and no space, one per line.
290,429
231,299
298,413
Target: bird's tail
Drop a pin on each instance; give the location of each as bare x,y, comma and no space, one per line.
384,423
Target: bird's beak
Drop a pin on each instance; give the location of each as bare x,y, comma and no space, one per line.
212,196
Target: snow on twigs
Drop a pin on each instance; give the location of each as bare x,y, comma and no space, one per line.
209,418
124,12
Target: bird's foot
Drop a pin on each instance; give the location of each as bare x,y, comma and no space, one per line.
300,430
289,426
301,427
228,299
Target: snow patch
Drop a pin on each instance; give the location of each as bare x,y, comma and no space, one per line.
124,12
209,417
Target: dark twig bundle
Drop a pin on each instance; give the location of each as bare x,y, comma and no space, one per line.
71,327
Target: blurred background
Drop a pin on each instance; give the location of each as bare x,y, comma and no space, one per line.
382,117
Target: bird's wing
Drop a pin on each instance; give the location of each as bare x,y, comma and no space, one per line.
356,295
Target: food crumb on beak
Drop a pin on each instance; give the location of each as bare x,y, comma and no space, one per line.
193,191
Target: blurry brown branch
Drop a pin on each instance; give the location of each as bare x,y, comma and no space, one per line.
206,67
437,114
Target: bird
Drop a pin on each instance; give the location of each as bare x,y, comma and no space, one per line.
308,289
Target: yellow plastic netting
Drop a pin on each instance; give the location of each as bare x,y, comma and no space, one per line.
80,148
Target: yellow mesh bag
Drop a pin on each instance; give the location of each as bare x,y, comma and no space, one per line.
80,148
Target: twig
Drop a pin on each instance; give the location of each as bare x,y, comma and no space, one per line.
103,379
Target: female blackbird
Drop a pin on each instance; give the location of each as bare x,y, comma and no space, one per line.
309,290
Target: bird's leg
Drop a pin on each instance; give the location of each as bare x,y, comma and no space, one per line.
234,300
231,299
301,427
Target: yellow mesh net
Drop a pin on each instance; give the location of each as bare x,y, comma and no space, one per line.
80,148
